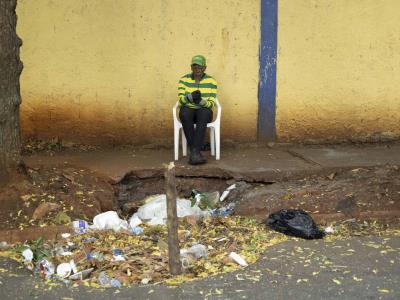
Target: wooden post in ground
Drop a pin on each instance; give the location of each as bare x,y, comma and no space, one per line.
172,221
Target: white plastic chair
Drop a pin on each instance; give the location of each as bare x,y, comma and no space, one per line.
215,133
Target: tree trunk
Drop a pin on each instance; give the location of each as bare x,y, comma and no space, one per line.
10,99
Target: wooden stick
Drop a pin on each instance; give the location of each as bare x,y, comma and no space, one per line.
172,221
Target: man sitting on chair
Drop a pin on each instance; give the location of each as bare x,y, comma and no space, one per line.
197,92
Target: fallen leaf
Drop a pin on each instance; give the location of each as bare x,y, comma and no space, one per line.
331,176
336,281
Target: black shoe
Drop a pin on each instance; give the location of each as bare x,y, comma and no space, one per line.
206,147
196,158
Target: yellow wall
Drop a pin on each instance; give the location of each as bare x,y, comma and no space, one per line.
107,71
338,70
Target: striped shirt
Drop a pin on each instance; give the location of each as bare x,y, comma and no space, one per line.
207,86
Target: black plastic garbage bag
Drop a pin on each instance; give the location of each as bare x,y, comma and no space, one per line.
294,222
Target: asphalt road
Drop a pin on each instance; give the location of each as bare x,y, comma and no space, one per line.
358,268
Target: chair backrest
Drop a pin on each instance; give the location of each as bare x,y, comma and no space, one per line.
217,105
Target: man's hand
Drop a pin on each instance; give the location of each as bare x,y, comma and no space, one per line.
189,98
196,96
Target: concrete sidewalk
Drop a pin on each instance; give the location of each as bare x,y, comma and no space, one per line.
253,163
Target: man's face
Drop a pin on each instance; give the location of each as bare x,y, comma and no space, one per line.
198,70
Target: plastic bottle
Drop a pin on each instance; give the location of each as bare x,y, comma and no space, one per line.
46,268
80,226
115,283
103,279
137,230
224,211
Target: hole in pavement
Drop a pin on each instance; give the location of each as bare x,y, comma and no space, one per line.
326,198
132,190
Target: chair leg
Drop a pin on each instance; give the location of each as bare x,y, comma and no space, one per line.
212,140
217,143
176,143
184,144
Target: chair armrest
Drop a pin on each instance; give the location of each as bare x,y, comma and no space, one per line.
219,110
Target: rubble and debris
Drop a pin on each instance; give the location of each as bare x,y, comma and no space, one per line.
224,211
106,258
114,252
204,200
46,268
227,191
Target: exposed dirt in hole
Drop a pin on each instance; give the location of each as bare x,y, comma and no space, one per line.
81,193
38,196
354,193
360,193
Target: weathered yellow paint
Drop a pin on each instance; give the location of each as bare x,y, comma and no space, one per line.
107,71
338,70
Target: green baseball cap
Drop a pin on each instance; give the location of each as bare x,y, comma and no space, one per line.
199,60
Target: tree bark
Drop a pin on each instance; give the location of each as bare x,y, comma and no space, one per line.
10,98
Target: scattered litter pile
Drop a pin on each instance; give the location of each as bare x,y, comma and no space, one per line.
114,252
108,258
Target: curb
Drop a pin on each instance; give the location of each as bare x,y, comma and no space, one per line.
364,215
267,176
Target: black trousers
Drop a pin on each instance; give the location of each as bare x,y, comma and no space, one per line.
200,117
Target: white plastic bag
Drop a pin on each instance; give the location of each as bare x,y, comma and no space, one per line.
155,210
109,220
197,251
134,221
